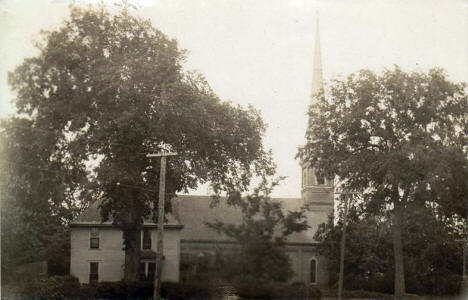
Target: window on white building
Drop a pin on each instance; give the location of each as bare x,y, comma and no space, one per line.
94,238
147,270
146,238
93,272
151,270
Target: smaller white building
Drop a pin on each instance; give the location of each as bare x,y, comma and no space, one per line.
97,250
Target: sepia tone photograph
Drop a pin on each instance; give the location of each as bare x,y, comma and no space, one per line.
234,149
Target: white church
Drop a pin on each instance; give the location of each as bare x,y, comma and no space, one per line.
97,247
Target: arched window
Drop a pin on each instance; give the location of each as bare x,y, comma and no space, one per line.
320,179
313,271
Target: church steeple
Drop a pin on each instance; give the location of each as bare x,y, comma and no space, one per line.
317,75
316,191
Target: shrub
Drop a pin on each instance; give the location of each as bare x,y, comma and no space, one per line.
277,291
68,287
364,294
117,290
450,284
176,291
381,283
55,287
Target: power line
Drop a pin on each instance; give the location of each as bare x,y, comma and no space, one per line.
76,177
95,142
42,169
136,187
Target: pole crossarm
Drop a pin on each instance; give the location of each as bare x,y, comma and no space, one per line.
161,154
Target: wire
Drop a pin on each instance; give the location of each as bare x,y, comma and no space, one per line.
42,169
76,177
51,131
137,187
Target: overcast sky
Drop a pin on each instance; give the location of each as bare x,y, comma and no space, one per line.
260,52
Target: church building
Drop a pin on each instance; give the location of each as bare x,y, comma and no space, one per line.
97,248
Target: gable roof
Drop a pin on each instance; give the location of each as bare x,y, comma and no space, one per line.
194,211
92,216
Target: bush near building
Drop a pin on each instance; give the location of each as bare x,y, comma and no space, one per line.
68,287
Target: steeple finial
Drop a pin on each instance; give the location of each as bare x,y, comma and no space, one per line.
317,75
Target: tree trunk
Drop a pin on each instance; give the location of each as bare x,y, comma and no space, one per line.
132,240
397,229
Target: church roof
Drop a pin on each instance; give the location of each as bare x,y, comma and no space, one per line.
193,212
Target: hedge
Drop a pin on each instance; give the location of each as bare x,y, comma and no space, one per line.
298,291
68,287
363,294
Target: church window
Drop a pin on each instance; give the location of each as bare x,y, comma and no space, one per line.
313,271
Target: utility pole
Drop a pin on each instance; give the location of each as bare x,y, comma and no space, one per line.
342,248
465,250
464,241
465,253
160,244
343,242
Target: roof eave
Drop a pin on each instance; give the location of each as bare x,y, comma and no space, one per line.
109,225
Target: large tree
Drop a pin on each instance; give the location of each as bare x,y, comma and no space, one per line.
397,136
112,89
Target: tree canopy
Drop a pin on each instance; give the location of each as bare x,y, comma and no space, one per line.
110,89
398,137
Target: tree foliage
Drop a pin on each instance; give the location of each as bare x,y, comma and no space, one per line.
398,137
112,89
433,251
261,235
410,129
40,194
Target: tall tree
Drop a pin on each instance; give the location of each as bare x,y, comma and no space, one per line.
113,89
39,196
399,137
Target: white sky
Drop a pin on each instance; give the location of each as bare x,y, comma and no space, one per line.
260,52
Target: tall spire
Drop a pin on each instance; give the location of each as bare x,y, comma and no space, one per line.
316,192
317,75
